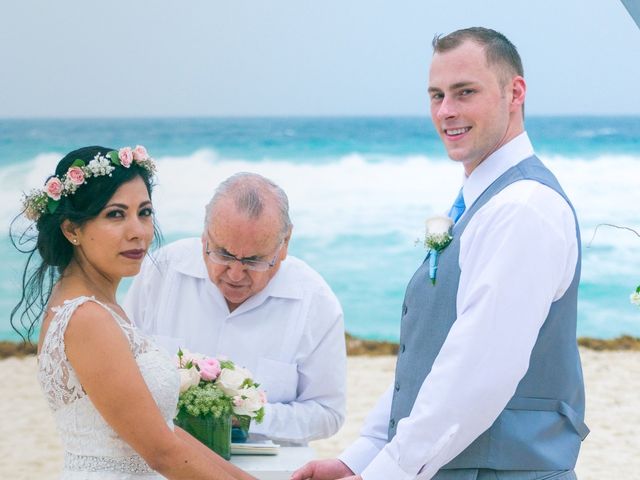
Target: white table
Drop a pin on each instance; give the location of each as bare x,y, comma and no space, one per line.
275,467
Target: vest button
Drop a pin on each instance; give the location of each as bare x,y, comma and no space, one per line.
392,423
397,386
404,309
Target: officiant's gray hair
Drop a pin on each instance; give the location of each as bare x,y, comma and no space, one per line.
249,191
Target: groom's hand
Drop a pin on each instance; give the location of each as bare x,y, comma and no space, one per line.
330,469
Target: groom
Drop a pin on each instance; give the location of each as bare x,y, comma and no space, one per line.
488,382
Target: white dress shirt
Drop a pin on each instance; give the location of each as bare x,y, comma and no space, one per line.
290,335
518,254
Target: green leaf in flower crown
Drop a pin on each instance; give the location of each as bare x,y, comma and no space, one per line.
638,289
113,156
78,163
52,205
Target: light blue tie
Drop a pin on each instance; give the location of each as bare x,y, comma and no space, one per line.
457,208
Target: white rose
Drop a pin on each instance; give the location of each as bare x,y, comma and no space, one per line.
635,298
230,381
188,378
438,225
248,401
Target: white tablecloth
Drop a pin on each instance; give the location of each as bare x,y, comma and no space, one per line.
274,467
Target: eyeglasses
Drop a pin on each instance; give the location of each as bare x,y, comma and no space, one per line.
249,263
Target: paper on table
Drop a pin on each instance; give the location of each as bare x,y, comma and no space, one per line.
264,447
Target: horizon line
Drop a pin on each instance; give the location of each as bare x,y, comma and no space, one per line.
291,116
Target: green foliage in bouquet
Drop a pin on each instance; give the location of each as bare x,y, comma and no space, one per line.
205,399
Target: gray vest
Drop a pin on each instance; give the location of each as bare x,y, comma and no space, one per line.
543,424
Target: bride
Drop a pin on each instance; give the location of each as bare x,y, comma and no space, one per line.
112,392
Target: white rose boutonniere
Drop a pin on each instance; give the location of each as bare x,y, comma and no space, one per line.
438,237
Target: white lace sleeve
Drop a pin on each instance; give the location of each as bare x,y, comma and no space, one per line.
55,374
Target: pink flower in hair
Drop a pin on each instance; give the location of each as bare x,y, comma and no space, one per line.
126,156
140,153
75,175
53,188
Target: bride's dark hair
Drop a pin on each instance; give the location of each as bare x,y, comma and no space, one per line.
49,252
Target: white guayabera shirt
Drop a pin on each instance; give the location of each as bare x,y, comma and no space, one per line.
536,239
290,335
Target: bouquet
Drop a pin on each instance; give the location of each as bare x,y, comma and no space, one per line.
635,296
212,391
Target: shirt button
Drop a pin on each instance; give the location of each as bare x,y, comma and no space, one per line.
404,309
392,423
397,386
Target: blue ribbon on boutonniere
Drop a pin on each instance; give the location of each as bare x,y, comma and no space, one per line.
437,238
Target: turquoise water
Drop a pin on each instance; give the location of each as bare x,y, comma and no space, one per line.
359,189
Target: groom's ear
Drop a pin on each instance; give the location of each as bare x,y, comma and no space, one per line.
518,90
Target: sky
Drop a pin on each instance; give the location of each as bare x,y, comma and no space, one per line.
144,58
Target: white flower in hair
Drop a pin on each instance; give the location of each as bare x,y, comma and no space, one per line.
100,166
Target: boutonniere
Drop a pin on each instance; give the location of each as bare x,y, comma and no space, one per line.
437,237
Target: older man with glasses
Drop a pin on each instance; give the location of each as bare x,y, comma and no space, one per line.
234,292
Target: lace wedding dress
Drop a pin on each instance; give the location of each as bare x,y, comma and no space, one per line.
93,450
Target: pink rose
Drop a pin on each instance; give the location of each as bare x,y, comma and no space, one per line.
209,368
140,153
126,156
53,188
76,175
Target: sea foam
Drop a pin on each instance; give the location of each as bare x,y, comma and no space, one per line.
357,218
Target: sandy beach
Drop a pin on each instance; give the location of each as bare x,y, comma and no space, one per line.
30,448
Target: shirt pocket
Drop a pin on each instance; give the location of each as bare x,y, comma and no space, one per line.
278,379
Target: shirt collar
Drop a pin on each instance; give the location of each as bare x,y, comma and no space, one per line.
495,165
280,286
189,260
283,284
191,263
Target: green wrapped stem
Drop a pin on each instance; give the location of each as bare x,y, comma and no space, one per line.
214,432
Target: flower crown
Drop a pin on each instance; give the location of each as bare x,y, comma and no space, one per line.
46,200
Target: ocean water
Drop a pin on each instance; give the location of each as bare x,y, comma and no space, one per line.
360,189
